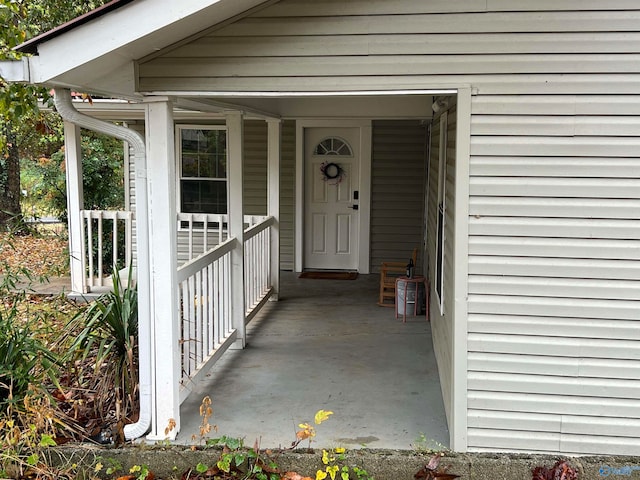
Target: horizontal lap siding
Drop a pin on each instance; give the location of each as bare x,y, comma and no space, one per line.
255,181
397,190
554,232
554,274
554,285
255,168
564,48
287,194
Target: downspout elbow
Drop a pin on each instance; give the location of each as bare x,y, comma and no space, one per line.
68,112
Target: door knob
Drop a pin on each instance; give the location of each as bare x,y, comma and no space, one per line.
355,207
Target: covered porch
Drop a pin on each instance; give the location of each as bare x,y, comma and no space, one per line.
211,329
326,345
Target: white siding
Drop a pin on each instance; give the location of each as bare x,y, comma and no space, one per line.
255,167
554,185
287,195
397,190
554,285
566,47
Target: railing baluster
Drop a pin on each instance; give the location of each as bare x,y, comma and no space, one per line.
199,336
216,302
115,241
190,237
182,307
93,231
90,248
128,219
227,290
192,326
100,250
205,234
210,308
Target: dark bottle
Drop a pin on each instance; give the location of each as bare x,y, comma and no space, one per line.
410,268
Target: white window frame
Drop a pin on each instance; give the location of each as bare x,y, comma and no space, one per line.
441,213
179,178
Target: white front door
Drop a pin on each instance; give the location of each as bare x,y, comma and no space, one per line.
332,178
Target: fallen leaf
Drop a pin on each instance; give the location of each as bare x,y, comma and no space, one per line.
294,476
322,415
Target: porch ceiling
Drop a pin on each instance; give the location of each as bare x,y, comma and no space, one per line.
352,105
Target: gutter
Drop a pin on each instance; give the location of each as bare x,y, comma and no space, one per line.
31,46
69,113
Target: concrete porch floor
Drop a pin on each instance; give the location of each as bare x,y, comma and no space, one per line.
326,345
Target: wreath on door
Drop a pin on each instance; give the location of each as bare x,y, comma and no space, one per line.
332,171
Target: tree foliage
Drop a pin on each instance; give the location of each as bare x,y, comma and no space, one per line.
21,20
102,176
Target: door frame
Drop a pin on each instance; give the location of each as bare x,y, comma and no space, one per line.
364,186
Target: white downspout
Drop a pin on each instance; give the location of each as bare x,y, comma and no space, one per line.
68,112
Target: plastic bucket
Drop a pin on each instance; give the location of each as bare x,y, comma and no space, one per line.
411,295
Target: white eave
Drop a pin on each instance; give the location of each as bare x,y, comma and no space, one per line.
99,55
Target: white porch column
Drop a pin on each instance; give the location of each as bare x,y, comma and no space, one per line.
165,337
273,198
75,204
235,210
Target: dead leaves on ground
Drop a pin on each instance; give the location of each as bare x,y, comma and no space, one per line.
294,476
42,255
560,471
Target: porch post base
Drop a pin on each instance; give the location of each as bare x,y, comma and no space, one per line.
154,437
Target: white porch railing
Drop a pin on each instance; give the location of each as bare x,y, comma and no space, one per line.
107,241
199,232
204,280
204,299
257,266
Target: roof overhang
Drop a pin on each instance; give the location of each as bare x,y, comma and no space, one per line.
98,54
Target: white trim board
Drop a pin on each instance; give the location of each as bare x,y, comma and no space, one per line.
458,427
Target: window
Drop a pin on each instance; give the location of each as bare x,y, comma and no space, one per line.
333,146
202,160
442,211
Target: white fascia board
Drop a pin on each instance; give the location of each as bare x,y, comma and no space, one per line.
131,32
15,70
